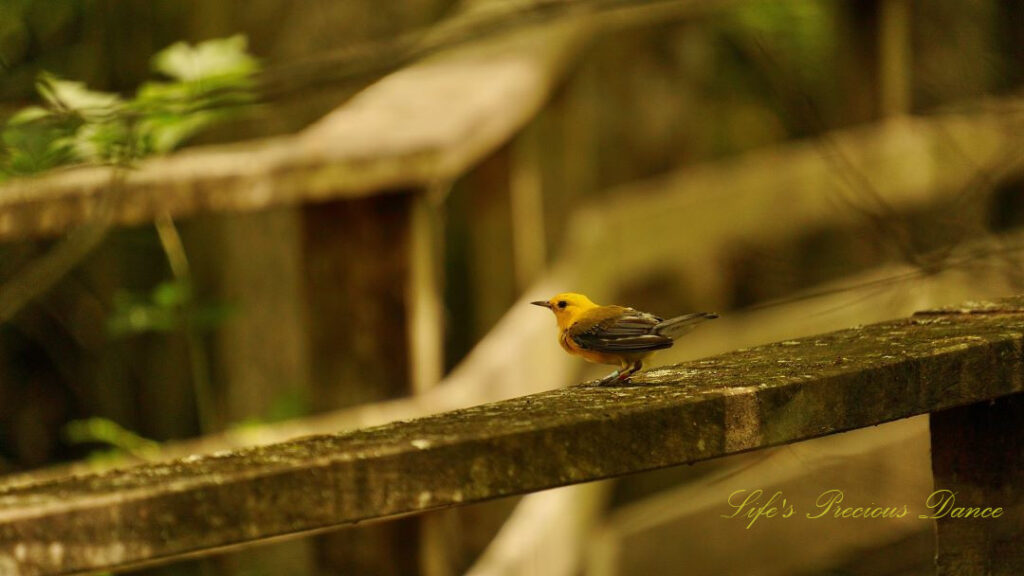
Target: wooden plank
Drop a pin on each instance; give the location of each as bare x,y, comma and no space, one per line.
740,401
775,194
356,271
978,462
382,139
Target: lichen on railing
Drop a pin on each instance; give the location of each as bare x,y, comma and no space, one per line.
748,399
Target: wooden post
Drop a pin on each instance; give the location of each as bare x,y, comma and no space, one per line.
424,292
858,28
372,302
260,350
526,198
894,57
260,355
978,457
491,264
357,267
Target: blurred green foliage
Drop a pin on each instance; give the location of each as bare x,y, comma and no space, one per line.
803,31
286,405
202,86
164,309
110,433
197,86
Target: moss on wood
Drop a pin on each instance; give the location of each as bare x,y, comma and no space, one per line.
779,393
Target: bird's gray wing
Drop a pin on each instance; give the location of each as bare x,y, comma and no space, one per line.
623,330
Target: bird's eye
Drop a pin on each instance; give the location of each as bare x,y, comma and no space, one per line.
561,304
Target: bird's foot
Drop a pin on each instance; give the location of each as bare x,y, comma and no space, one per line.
607,380
617,377
621,376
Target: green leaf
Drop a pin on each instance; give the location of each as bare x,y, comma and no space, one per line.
75,97
171,294
105,431
28,115
163,98
163,133
210,82
213,58
163,310
29,148
102,142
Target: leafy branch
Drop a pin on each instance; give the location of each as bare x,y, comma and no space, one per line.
202,85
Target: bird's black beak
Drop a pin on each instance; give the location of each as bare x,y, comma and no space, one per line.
543,303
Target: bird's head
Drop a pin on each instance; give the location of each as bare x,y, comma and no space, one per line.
567,307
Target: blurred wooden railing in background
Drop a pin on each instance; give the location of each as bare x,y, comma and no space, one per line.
384,161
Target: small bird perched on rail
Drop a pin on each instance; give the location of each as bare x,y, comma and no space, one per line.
615,335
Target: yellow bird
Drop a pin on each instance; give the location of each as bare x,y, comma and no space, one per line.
615,335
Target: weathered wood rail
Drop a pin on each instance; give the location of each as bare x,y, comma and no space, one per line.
940,362
661,204
373,160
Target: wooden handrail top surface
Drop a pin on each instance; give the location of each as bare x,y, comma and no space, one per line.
747,399
426,123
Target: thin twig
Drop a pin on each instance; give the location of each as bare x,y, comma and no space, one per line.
199,364
43,273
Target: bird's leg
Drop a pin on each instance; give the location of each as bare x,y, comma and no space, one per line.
609,379
622,374
635,367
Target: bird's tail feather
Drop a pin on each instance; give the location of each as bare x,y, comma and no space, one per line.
676,327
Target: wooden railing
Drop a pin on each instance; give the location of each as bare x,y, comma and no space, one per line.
769,197
963,365
384,160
